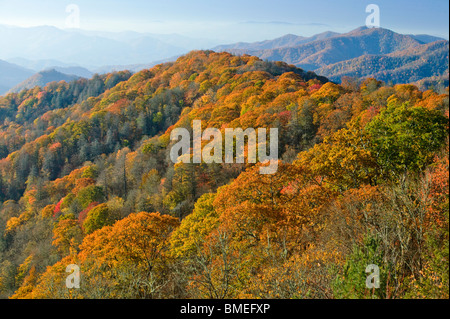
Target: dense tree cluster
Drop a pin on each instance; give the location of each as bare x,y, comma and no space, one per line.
86,179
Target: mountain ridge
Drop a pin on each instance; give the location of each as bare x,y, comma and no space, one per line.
354,47
11,74
287,40
409,65
355,43
42,78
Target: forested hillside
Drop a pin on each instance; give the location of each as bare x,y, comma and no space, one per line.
86,179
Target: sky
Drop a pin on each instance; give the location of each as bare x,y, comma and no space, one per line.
228,20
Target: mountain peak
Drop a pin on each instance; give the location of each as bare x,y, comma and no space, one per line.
360,29
367,30
290,36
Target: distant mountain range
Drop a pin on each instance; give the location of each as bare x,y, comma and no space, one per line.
364,52
27,51
404,66
43,78
47,53
92,49
289,40
329,47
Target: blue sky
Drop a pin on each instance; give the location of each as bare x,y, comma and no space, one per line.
231,20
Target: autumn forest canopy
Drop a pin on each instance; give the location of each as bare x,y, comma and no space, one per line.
86,178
